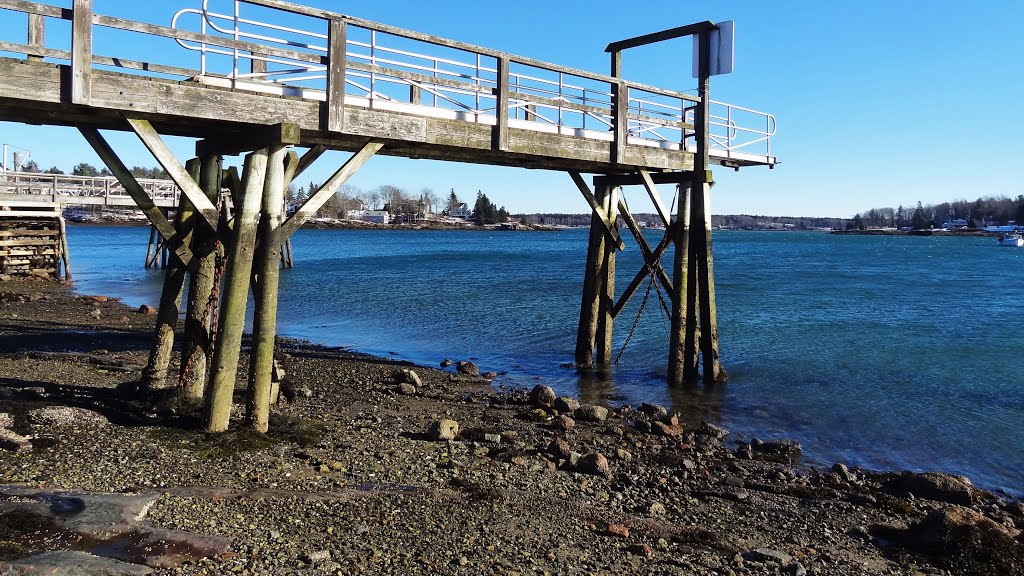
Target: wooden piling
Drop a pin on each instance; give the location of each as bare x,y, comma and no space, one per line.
154,375
236,294
64,254
265,317
606,283
149,246
713,372
590,305
195,354
680,284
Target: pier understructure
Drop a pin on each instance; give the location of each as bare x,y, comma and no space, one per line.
264,76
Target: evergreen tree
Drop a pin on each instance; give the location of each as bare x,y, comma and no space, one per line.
919,221
84,169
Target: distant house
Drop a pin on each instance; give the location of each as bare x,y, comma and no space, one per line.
377,216
958,224
460,211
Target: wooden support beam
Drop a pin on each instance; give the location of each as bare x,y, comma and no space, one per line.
64,254
329,189
137,193
708,309
650,261
307,159
606,291
254,138
81,52
652,191
680,282
620,114
154,375
264,327
501,110
636,179
692,333
337,43
586,335
634,284
595,205
678,32
145,131
235,294
36,35
196,349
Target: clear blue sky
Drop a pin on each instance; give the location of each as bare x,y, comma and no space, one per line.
879,103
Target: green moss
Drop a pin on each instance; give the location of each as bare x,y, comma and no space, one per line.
240,439
13,551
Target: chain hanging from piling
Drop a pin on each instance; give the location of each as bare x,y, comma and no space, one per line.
636,322
211,304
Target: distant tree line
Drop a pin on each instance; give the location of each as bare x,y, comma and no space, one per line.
730,221
989,211
86,169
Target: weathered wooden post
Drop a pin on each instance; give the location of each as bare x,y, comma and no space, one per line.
155,373
236,293
264,326
681,279
586,335
36,34
606,281
195,352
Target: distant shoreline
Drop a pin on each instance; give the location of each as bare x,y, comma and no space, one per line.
940,232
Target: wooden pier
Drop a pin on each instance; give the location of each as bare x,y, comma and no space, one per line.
274,75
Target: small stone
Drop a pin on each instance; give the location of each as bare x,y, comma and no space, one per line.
444,430
559,448
656,509
337,466
467,368
96,313
95,298
641,550
567,405
618,530
565,423
407,376
492,438
594,464
767,555
542,395
148,310
406,389
317,557
324,468
489,375
670,428
539,415
446,362
592,413
653,411
623,455
709,429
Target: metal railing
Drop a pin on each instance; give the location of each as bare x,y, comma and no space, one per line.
464,84
285,49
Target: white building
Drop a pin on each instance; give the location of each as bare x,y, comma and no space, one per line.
377,216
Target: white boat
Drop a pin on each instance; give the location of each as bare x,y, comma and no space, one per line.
1014,239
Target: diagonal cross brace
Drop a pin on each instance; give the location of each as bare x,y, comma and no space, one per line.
645,248
652,191
327,191
602,216
138,194
145,131
666,241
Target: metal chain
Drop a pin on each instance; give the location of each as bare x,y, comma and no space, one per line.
636,322
214,301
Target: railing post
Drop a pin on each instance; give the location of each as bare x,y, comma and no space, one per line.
500,139
337,43
36,34
81,52
620,109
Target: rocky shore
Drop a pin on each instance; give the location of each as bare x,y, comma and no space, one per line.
375,467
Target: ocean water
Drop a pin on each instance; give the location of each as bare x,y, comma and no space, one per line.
884,352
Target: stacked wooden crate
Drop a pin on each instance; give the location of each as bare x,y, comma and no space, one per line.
33,241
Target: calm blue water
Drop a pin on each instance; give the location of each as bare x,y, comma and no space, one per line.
887,352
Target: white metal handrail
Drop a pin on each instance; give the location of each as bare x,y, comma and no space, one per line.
563,101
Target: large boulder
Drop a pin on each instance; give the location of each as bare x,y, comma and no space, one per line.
933,486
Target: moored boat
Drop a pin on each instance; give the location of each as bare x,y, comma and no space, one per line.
1014,239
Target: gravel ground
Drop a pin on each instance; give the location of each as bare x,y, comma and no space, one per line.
351,479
